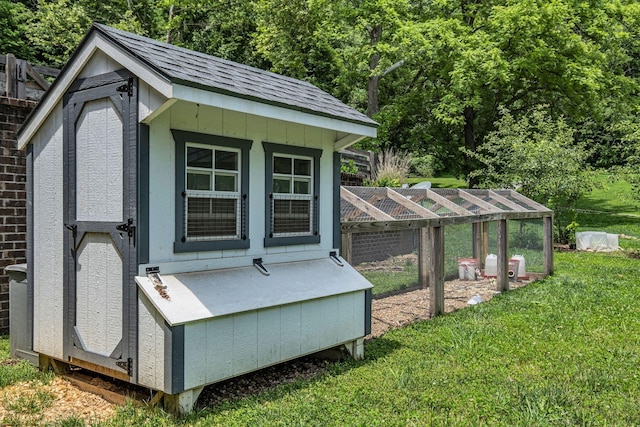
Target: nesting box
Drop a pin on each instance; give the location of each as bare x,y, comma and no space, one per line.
183,217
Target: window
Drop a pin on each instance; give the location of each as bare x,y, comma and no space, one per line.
292,187
212,185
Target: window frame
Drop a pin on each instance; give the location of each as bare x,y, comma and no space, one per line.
290,151
182,140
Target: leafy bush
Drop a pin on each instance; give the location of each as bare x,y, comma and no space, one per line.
537,156
425,166
349,167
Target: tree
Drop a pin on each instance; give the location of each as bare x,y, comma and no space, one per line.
14,19
538,157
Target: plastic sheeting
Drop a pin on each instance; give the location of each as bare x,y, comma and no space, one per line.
597,241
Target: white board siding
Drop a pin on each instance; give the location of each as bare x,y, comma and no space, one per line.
48,237
220,348
99,63
99,294
151,345
99,177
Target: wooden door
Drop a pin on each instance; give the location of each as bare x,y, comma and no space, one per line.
100,217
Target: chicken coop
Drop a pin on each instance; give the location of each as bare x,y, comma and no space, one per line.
183,218
454,233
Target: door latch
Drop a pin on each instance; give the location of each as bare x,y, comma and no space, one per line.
128,228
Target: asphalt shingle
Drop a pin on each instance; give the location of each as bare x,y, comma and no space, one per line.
208,72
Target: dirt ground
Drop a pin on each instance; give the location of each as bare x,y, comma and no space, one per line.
61,399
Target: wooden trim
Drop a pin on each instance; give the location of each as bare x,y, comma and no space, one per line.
364,206
412,206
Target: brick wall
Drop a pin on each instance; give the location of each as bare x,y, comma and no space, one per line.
13,213
378,246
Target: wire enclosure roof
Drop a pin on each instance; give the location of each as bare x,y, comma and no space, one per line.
412,207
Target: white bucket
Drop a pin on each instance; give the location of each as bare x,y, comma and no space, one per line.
467,268
513,269
522,268
491,265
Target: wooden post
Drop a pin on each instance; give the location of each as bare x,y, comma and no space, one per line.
345,246
424,249
21,79
547,245
485,243
436,274
502,278
476,232
10,73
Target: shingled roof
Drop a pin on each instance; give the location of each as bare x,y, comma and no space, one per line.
195,69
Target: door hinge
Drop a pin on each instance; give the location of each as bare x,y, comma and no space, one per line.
127,87
127,366
128,228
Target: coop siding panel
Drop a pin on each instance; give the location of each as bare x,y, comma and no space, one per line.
218,349
234,124
269,333
150,345
99,63
149,100
350,316
210,120
99,294
245,342
195,356
291,335
233,345
312,325
48,233
99,163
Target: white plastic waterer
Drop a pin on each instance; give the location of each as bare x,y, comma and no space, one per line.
491,265
522,270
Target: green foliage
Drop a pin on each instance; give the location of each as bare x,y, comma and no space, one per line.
425,166
390,170
56,30
14,20
349,167
538,157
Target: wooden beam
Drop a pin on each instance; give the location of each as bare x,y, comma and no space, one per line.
447,203
547,245
361,204
436,273
10,74
477,249
412,206
36,77
505,201
478,201
423,257
503,259
485,243
529,202
100,369
346,240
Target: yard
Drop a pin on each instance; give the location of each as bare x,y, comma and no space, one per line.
561,351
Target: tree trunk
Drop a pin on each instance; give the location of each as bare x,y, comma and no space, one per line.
375,33
470,144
